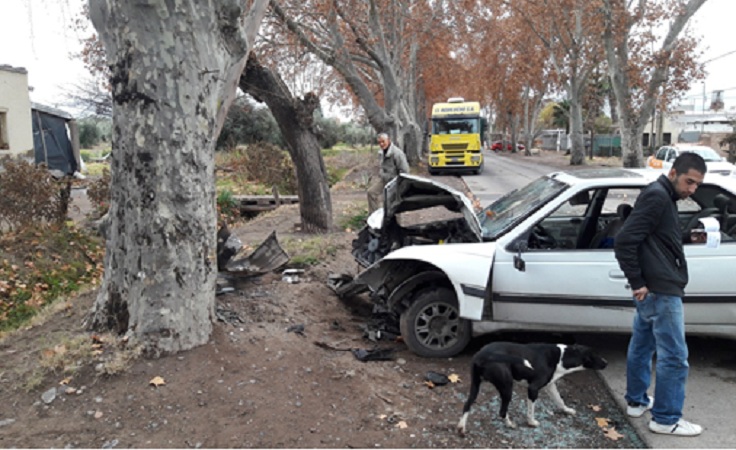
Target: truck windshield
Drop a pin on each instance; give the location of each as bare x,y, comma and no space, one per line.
512,208
455,126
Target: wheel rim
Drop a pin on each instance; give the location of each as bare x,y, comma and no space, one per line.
437,326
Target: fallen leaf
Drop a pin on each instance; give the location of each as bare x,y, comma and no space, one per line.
429,384
157,381
454,378
402,425
602,421
382,416
98,415
65,381
612,434
595,408
70,391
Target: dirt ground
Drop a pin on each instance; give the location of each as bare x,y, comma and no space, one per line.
261,382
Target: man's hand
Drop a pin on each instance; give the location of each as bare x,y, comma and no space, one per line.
698,236
641,293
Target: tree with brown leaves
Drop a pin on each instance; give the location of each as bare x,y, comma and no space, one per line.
647,70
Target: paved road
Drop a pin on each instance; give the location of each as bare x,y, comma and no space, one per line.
711,390
501,175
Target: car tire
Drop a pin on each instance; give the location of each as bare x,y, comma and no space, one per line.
431,326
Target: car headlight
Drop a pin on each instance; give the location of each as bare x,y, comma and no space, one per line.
434,160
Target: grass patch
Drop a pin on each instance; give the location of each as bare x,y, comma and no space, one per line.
70,353
353,217
96,169
309,251
37,266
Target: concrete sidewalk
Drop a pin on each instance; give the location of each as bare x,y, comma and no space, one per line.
711,390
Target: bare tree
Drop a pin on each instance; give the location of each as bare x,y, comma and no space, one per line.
642,78
90,98
374,46
175,70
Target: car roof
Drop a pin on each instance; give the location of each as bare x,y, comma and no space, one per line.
605,176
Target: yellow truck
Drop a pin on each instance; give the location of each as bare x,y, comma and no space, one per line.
456,137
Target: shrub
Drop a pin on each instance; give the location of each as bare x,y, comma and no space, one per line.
89,134
228,208
98,193
31,196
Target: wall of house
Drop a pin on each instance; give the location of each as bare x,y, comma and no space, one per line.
16,134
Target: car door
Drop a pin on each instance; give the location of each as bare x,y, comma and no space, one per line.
710,296
560,286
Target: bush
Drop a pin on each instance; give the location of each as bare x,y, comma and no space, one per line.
31,196
246,124
98,193
89,134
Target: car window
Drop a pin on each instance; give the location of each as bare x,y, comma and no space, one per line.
661,153
515,206
590,225
618,196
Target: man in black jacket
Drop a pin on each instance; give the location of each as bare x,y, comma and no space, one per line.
650,253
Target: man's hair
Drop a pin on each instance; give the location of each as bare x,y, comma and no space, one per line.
687,161
383,136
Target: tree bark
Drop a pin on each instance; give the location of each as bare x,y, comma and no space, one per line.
174,70
295,120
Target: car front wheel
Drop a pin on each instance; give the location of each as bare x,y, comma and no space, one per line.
432,327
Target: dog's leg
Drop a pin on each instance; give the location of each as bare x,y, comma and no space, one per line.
505,400
557,399
530,414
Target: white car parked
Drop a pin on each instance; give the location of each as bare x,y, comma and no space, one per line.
664,157
539,258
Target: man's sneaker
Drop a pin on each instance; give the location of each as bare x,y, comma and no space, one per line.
681,428
639,410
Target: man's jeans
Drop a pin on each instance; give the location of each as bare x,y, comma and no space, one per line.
659,324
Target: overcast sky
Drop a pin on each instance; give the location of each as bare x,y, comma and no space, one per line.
37,35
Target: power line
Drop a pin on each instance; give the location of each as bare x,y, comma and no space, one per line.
719,57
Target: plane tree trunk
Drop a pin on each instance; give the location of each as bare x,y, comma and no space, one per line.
295,119
175,67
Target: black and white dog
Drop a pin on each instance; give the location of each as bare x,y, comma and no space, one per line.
540,365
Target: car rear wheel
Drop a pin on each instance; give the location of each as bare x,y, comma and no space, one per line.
432,327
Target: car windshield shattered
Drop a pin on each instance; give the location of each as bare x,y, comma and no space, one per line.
513,207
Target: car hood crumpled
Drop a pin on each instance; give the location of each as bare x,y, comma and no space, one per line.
410,193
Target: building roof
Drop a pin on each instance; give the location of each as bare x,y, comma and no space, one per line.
51,111
8,68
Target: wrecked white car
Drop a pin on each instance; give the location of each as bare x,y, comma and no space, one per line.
539,258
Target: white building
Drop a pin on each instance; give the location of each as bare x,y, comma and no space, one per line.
16,134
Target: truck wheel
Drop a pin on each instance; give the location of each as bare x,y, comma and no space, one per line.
432,327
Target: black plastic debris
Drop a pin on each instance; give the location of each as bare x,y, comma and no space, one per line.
377,354
227,315
436,378
298,329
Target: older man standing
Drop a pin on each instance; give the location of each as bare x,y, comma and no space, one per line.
393,162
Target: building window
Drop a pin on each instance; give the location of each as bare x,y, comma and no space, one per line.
4,143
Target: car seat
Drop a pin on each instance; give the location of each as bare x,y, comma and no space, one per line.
604,238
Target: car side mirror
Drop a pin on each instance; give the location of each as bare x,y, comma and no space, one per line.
519,263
